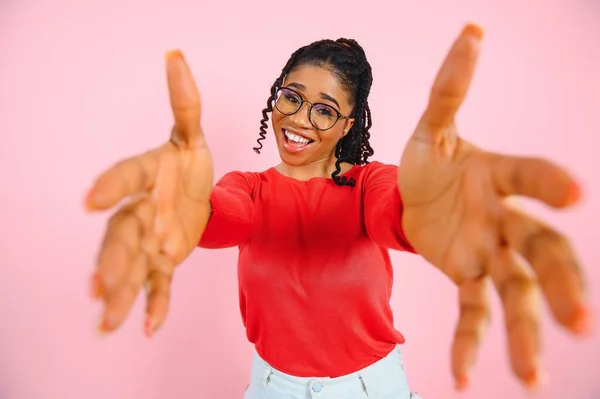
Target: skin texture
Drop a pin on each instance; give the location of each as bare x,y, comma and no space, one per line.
457,213
457,216
318,159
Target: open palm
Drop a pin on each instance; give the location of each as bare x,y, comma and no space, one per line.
167,191
457,216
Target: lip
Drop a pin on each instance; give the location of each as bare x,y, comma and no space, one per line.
297,133
293,149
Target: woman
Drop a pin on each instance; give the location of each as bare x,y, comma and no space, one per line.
314,231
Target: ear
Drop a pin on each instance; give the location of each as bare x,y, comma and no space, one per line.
347,127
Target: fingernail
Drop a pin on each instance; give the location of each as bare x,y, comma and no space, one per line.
462,383
473,30
89,202
574,194
173,54
536,379
102,328
582,325
148,329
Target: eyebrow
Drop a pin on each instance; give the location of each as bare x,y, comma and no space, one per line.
324,96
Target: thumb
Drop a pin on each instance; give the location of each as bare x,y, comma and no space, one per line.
184,99
451,85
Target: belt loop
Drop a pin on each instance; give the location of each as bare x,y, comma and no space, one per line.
362,383
267,376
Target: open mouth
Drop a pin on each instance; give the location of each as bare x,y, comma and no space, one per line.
295,141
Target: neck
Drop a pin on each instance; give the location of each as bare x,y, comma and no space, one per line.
321,168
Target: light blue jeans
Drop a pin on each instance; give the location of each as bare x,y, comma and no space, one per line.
385,379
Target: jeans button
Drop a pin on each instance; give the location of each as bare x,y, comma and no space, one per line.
317,387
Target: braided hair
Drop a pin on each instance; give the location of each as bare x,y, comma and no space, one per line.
346,60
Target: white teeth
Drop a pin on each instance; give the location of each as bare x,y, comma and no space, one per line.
296,138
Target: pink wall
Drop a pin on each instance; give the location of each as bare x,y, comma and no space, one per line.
82,86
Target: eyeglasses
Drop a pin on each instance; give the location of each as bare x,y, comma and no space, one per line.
321,116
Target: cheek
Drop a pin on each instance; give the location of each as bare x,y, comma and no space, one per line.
332,135
328,141
276,117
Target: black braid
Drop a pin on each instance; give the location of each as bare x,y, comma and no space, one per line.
278,83
347,60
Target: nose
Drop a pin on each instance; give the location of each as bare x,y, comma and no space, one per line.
302,117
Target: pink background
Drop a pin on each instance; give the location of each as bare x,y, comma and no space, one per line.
82,85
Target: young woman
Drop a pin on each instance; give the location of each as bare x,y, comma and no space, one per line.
314,231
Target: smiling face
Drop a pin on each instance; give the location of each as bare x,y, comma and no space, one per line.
298,140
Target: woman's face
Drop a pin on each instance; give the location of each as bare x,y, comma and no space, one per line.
298,140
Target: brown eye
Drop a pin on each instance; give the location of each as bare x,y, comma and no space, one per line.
292,98
324,110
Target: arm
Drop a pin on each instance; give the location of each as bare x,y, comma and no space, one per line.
232,211
383,207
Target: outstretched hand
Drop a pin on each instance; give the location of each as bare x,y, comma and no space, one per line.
167,191
457,215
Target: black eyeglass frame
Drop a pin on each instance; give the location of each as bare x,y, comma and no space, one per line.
339,115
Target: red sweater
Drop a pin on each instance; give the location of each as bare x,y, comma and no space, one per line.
315,277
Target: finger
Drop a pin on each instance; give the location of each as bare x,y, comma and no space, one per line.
472,324
119,302
126,178
555,264
158,293
184,98
171,237
165,194
517,288
535,178
452,82
121,246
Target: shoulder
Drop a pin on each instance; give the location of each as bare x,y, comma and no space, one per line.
248,181
376,170
375,176
375,166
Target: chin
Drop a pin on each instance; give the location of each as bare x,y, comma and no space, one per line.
291,160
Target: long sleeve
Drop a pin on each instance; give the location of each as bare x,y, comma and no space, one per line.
232,211
383,207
